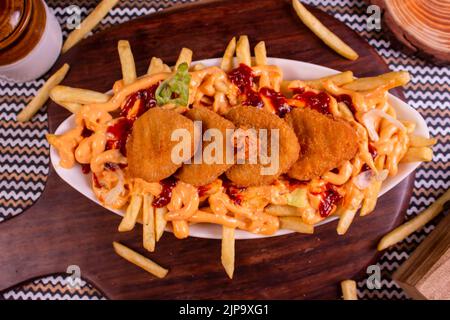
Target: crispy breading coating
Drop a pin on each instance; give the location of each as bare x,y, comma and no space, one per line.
149,148
325,143
204,173
250,174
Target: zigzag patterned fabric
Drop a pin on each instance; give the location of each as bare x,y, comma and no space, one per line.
24,161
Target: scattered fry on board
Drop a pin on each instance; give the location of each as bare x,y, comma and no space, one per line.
43,94
89,23
328,37
139,260
349,291
416,223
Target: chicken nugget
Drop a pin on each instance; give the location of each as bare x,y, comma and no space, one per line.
252,174
149,148
204,173
325,142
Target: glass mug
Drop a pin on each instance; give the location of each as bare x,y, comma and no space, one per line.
30,39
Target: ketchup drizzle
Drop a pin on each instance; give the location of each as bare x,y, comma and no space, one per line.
233,191
166,193
243,78
347,99
278,101
147,99
330,198
119,132
316,101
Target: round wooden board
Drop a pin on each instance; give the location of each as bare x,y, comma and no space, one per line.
419,27
64,228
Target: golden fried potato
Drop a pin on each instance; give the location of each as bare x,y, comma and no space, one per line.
248,174
325,143
204,173
149,148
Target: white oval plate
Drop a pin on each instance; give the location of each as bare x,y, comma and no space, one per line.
292,70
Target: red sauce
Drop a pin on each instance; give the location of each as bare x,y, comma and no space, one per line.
117,135
85,168
147,100
298,90
373,152
317,101
202,190
166,193
294,184
347,99
233,192
278,101
253,99
243,78
95,180
330,198
86,133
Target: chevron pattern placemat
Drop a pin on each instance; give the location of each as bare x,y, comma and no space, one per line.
24,161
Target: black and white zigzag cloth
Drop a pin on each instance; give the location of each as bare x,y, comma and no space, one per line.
24,161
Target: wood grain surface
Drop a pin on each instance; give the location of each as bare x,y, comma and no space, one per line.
64,228
420,27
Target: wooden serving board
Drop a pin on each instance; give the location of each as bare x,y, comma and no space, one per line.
64,228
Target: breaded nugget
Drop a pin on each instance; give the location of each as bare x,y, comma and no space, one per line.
250,174
325,143
149,147
204,173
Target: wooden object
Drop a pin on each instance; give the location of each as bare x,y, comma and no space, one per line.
426,274
420,26
64,228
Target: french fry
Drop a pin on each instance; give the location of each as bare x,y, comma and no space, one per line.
345,220
148,223
156,66
261,54
348,214
282,210
349,290
371,193
129,219
77,95
388,80
416,141
139,260
243,51
339,79
70,106
184,57
227,256
416,223
42,95
296,224
89,23
127,62
418,154
328,37
160,222
227,60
